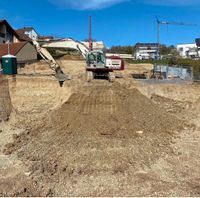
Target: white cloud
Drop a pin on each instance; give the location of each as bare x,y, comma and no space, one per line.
86,4
173,2
100,4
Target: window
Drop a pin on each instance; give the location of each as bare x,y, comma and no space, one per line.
180,49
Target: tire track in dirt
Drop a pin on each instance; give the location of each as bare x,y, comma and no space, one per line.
100,101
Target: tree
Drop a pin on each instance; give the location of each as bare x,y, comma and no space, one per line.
167,50
121,49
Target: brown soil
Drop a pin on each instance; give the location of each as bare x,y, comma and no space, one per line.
98,139
72,57
5,102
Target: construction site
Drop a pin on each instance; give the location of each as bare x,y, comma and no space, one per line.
91,125
98,138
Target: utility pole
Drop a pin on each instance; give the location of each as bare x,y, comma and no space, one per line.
158,39
159,23
8,42
90,34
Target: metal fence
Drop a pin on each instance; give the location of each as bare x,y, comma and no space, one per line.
196,73
171,72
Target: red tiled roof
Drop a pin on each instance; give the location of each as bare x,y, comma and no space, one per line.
23,36
26,29
14,48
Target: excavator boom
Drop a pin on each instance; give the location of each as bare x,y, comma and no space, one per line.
47,57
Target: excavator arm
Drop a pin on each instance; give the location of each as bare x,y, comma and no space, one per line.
47,57
69,44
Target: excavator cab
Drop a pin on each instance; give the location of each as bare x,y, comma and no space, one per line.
96,59
96,66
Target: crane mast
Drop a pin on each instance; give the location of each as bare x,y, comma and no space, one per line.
90,34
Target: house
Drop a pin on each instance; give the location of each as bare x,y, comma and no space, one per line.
24,51
187,50
22,36
197,41
146,51
28,31
45,38
20,45
7,33
97,45
198,46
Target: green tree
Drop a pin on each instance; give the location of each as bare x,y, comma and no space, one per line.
121,49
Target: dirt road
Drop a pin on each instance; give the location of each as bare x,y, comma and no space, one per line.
103,140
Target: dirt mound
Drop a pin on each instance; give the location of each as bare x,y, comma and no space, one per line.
96,142
37,95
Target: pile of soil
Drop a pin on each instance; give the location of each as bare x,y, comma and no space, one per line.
95,144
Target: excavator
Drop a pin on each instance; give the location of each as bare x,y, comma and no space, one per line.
59,74
97,64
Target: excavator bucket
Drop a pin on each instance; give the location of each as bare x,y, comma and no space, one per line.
61,76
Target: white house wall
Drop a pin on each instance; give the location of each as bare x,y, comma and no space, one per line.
186,49
32,34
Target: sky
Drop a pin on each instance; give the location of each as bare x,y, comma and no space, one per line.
116,22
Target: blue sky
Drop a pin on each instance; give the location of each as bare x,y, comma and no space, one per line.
116,22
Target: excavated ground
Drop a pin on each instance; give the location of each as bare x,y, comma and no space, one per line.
99,139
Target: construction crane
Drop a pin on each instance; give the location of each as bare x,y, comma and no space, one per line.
90,34
159,23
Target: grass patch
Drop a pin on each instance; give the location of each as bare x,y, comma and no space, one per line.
162,62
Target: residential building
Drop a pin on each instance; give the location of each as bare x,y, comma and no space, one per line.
198,46
124,56
146,51
7,33
187,50
24,51
45,38
28,31
23,37
97,45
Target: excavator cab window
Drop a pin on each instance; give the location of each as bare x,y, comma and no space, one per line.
91,58
100,58
96,58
